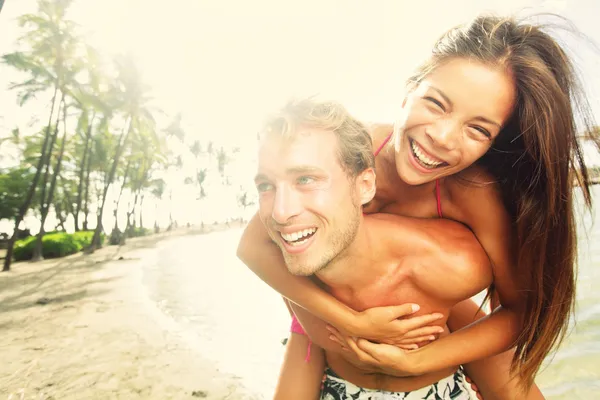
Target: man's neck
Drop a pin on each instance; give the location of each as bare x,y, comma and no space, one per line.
351,269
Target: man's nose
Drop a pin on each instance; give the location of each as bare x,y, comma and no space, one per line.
286,206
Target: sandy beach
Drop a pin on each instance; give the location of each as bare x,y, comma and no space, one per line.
82,327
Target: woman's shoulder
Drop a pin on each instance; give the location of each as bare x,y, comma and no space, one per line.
474,181
475,197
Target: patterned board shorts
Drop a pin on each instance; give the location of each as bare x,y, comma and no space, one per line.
453,387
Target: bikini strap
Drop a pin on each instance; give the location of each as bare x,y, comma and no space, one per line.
439,199
387,139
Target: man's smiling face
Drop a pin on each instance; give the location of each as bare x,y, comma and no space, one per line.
307,200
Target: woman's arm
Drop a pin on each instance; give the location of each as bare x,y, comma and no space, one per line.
264,258
486,337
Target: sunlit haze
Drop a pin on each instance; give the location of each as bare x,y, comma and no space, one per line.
225,64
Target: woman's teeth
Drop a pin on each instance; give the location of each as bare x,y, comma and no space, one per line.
298,238
422,158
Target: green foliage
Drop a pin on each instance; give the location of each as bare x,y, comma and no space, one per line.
136,232
53,245
56,244
14,185
84,238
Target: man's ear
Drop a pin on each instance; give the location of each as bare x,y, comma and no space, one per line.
366,185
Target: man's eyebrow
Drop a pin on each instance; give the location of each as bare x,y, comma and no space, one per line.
303,169
447,100
300,169
260,177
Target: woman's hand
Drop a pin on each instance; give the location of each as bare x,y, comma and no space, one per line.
386,358
389,325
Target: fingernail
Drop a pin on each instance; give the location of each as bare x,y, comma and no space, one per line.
328,328
440,330
431,337
331,337
414,347
415,307
438,315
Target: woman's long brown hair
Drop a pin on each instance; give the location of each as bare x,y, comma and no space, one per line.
537,160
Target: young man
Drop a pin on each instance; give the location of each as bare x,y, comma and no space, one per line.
315,173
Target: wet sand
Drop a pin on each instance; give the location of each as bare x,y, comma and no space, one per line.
83,327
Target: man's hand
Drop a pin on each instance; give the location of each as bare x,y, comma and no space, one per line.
390,325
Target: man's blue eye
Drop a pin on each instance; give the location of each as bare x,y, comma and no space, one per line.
263,187
305,180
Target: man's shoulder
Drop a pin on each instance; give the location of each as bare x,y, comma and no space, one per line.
423,235
436,230
446,243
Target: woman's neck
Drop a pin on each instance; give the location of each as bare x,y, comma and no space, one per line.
390,187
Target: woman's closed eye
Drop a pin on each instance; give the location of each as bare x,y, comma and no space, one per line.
482,131
436,102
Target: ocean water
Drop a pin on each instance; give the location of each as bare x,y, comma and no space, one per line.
235,320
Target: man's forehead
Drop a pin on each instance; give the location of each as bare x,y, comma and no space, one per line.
304,139
301,151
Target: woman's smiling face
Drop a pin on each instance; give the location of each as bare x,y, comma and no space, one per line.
450,119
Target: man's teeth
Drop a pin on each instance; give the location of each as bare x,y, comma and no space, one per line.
294,238
423,157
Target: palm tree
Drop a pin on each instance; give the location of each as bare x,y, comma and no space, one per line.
222,161
50,44
158,190
244,201
175,130
134,104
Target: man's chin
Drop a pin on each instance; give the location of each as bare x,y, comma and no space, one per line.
298,268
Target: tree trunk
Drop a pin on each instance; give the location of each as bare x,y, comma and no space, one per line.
170,210
82,171
86,197
60,217
121,144
130,218
32,187
121,193
142,212
156,227
68,201
37,254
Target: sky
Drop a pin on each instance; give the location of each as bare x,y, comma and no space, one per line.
226,64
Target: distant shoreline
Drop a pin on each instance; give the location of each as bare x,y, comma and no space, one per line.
181,230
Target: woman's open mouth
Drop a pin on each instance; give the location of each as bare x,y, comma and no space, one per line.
423,159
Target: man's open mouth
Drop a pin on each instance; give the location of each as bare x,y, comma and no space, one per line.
298,238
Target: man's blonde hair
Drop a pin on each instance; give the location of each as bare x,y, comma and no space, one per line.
355,144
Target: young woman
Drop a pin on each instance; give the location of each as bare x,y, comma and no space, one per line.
487,137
